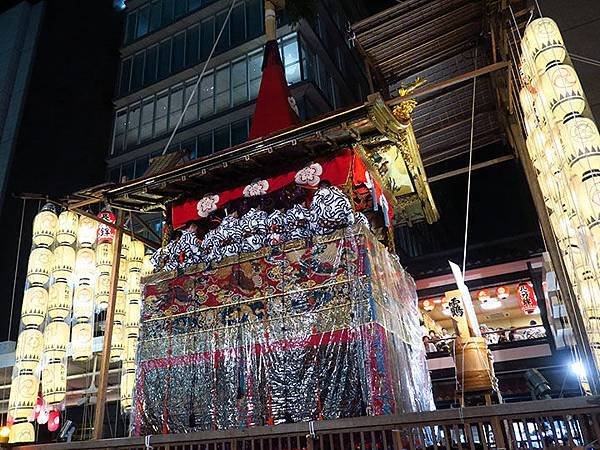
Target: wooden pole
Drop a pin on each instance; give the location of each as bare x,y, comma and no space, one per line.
108,329
270,21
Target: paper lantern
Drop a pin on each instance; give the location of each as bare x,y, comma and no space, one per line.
66,232
85,265
136,256
543,43
527,297
428,305
117,343
102,291
134,283
527,69
104,257
147,266
502,292
130,349
30,344
581,142
589,293
45,225
535,144
56,339
132,317
125,244
105,233
527,100
39,266
562,92
4,434
35,306
587,193
21,433
123,273
86,233
127,385
59,300
483,295
82,336
23,395
63,262
83,302
53,421
54,382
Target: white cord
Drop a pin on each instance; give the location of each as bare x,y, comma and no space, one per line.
187,104
147,442
464,264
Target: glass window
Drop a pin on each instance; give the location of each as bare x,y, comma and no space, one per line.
164,59
180,8
254,17
238,25
207,91
308,63
133,124
239,132
222,89
175,107
128,171
207,37
143,21
141,165
224,41
254,72
150,66
178,52
189,147
137,71
222,138
125,76
130,26
193,5
205,145
119,133
191,115
155,15
147,119
291,60
162,108
191,45
167,12
239,83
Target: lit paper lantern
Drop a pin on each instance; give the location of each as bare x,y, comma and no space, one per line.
527,69
527,297
63,262
66,233
132,317
127,385
81,341
125,244
543,43
21,433
427,305
147,266
86,233
120,306
587,192
562,92
118,342
123,273
56,339
85,265
134,283
535,145
483,295
83,302
502,292
23,395
39,266
104,257
128,366
106,233
102,291
59,300
136,256
35,306
581,142
527,100
54,382
130,349
28,353
589,293
45,225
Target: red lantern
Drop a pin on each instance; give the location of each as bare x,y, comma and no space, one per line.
428,305
53,420
483,296
527,297
105,233
502,292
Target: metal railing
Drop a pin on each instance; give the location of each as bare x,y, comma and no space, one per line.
567,423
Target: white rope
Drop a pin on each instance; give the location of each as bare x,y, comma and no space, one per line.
464,264
189,101
147,442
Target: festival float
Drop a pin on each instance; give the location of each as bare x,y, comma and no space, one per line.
274,297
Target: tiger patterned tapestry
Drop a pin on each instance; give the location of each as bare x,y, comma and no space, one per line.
314,329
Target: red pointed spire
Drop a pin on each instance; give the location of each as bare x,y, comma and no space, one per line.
274,110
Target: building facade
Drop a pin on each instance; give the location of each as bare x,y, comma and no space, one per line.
166,44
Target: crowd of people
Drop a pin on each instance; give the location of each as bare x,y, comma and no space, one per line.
435,342
248,228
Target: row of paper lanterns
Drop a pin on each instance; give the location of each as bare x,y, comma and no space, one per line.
564,146
68,281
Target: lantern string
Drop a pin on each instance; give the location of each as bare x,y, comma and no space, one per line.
471,137
195,89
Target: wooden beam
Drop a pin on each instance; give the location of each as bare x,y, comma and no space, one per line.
477,166
450,82
108,329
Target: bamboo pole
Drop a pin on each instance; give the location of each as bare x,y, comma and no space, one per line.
108,329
